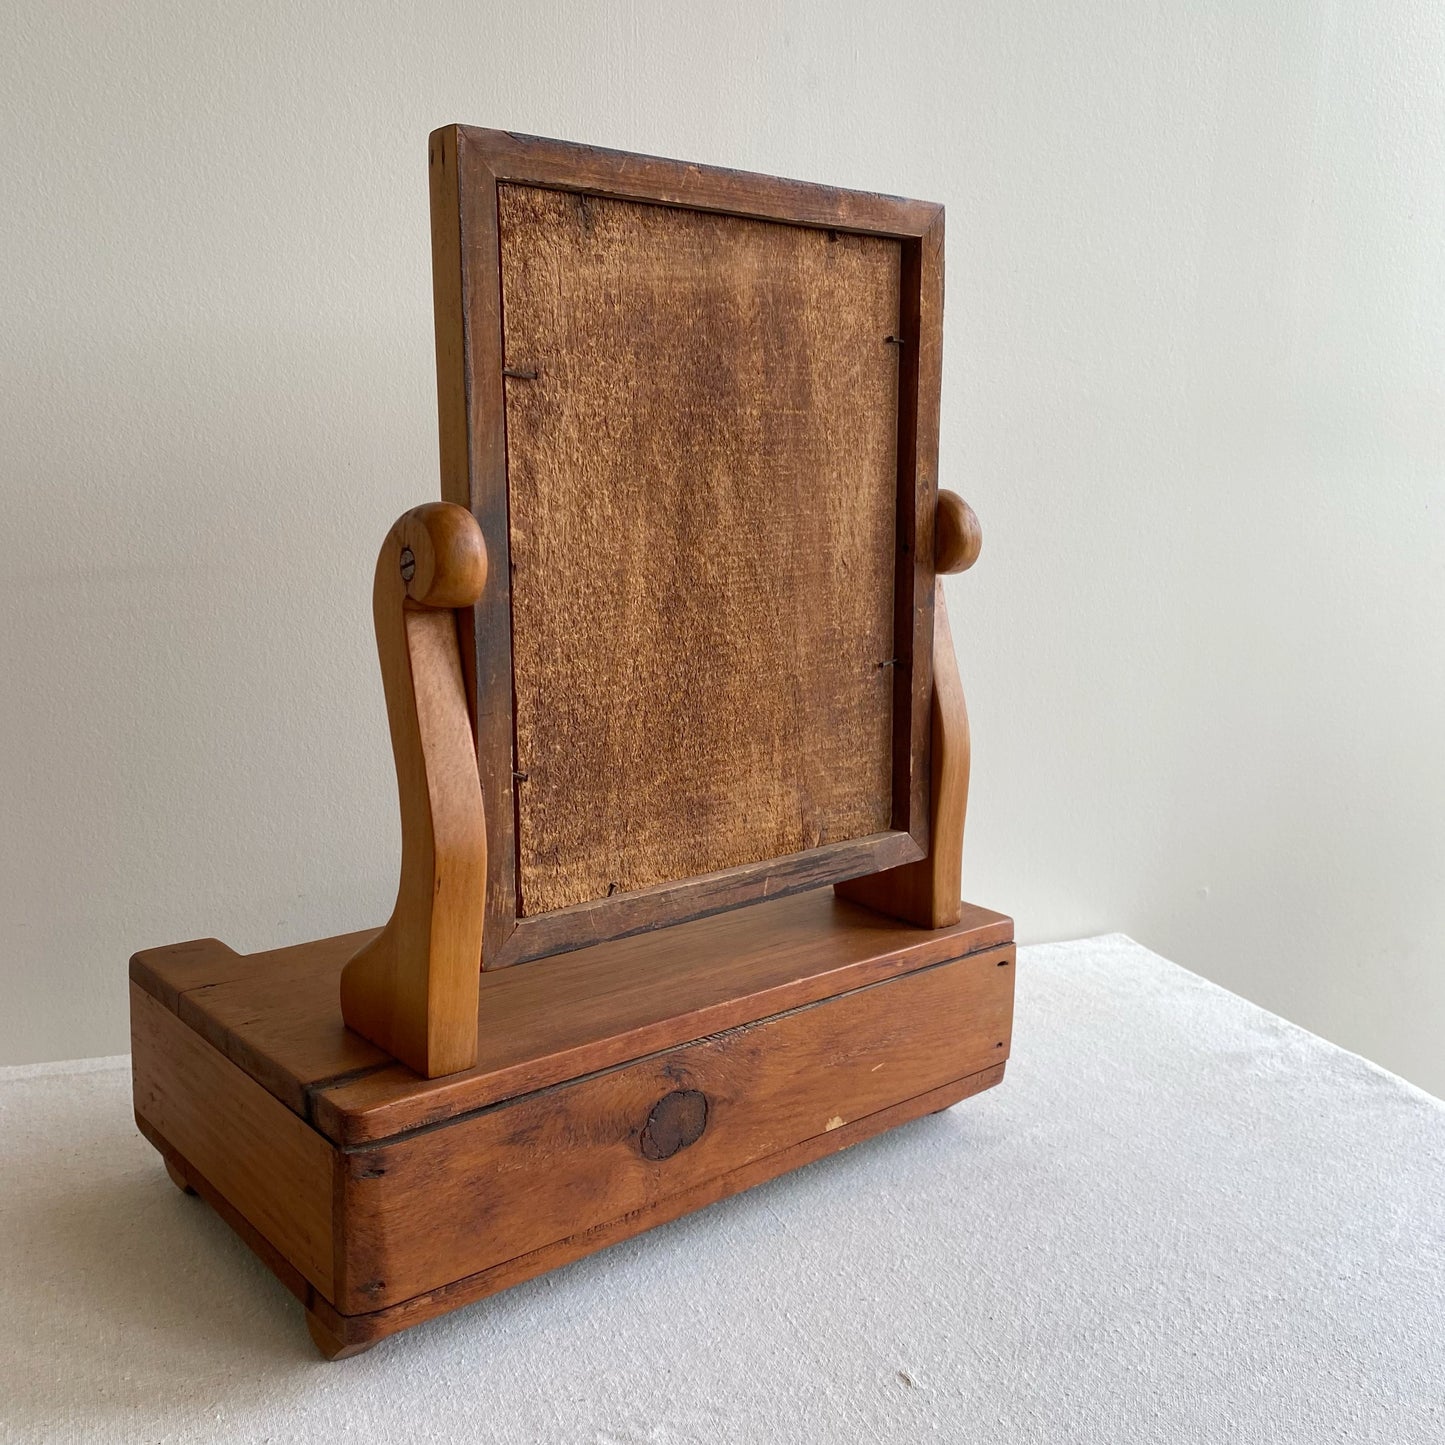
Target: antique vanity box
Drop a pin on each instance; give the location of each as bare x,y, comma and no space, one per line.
681,750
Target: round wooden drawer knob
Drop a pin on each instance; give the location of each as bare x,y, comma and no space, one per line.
677,1120
957,536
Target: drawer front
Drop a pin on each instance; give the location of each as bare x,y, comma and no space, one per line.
432,1207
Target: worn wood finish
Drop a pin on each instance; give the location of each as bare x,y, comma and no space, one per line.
166,973
282,1012
469,168
768,482
275,1015
957,535
920,384
278,1019
498,1194
178,1175
627,914
473,451
436,1204
929,892
412,989
550,1026
335,1337
196,1183
564,165
339,1336
273,1168
701,438
358,1332
455,1201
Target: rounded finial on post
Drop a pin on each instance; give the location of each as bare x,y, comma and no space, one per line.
412,988
957,535
442,557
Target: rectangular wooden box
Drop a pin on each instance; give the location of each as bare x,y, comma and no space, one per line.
619,1086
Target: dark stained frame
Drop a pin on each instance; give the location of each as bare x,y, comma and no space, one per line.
467,165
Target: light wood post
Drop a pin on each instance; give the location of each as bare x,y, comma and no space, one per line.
929,892
413,989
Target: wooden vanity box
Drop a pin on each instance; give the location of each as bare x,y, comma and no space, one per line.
681,750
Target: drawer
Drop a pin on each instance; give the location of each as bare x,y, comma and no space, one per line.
427,1208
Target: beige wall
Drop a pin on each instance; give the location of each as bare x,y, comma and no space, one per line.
1193,376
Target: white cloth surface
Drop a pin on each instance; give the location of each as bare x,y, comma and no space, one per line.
1178,1219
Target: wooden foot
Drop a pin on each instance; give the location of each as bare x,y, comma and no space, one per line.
332,1346
178,1175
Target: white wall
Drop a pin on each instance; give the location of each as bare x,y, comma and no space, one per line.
1193,376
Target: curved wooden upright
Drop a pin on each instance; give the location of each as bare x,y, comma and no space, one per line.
929,892
413,989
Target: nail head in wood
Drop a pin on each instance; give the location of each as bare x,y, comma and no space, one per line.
957,535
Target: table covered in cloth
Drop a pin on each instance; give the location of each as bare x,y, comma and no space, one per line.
1178,1219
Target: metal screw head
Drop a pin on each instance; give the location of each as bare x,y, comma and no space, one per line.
408,564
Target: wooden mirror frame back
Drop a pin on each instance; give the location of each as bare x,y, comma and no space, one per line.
467,166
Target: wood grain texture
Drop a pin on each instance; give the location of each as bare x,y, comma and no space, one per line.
929,891
559,1017
177,1174
919,381
281,1020
273,1168
467,300
275,1015
412,990
701,438
694,414
339,1336
547,1026
196,1183
356,1332
957,535
661,906
166,973
321,1317
594,170
431,1206
469,168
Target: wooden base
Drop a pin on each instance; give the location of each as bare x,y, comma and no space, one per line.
621,1087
